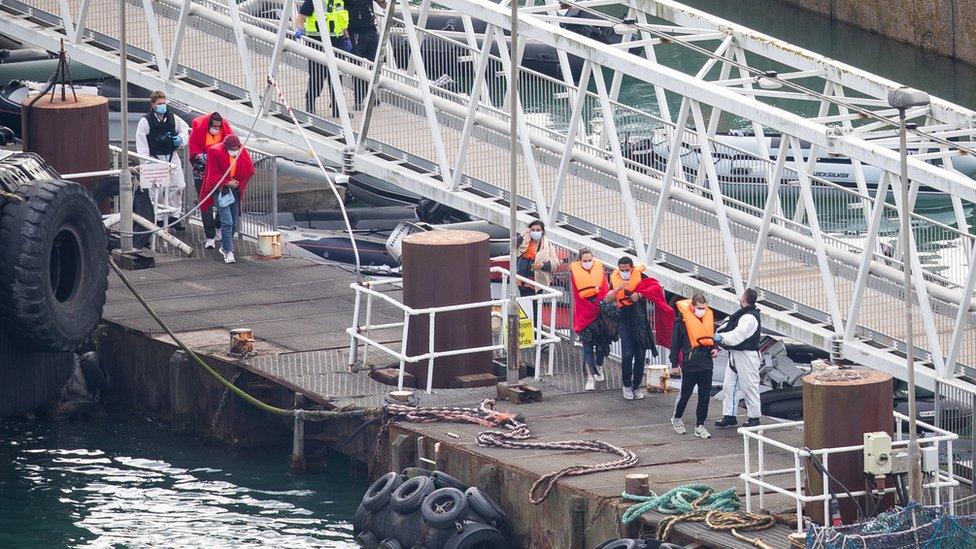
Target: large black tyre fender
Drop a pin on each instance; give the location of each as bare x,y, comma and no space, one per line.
378,493
477,535
444,480
444,507
390,544
366,540
408,497
625,544
483,506
53,265
382,523
360,520
407,528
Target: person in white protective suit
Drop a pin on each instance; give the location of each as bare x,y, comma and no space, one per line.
160,134
741,335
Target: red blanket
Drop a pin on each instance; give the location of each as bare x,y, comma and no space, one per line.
584,310
650,289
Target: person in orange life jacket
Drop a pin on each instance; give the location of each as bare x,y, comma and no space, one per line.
589,283
741,335
229,168
536,260
636,336
206,131
318,74
692,339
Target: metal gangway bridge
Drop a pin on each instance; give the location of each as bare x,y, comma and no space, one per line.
706,214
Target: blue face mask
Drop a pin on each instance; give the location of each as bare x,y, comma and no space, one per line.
160,109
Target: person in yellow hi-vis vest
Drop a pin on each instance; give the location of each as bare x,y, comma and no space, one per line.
337,25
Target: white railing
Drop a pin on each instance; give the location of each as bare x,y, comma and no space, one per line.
762,478
789,237
542,335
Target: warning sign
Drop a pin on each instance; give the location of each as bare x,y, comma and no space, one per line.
154,174
525,326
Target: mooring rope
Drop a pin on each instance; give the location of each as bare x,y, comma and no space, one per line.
683,499
515,436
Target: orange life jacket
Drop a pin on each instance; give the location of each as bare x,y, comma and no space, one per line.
212,139
588,283
701,331
618,284
233,168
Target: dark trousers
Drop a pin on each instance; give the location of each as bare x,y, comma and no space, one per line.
690,380
632,356
318,76
209,224
142,204
364,45
525,291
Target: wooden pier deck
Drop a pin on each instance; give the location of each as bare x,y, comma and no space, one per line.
299,310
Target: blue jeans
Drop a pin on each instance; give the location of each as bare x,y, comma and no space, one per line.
228,219
631,357
589,358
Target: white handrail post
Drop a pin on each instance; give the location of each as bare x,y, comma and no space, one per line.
430,360
369,322
353,345
403,348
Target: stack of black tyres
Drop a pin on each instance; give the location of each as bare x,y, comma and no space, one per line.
427,510
627,543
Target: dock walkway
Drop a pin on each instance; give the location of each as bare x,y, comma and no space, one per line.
299,310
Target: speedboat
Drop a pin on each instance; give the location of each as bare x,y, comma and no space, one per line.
737,165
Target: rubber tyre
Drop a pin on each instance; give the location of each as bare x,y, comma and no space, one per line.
444,507
382,523
378,494
411,472
483,506
477,535
360,520
54,266
105,193
406,528
435,538
390,544
408,497
366,540
444,480
625,544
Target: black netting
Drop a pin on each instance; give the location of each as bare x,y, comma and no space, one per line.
915,526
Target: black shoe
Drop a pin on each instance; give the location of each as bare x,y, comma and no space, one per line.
726,422
174,225
753,422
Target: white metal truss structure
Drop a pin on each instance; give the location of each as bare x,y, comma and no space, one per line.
708,213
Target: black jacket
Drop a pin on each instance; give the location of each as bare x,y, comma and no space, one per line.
698,361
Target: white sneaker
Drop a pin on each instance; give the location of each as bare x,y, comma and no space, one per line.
679,426
590,386
229,257
628,393
639,393
210,244
702,432
598,376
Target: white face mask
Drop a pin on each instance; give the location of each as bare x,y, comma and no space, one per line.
234,152
214,131
535,235
588,264
625,275
700,312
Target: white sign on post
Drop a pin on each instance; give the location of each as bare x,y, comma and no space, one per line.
154,174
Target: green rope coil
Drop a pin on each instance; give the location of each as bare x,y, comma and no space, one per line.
681,500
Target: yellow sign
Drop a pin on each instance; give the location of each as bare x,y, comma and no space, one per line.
525,329
526,337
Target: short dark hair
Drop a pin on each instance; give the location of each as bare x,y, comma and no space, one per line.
625,261
215,117
158,94
537,223
584,250
751,296
698,298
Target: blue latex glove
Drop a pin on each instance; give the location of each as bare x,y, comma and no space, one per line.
299,34
177,142
347,45
717,338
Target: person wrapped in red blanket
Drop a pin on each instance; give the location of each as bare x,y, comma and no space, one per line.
589,282
229,168
632,291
